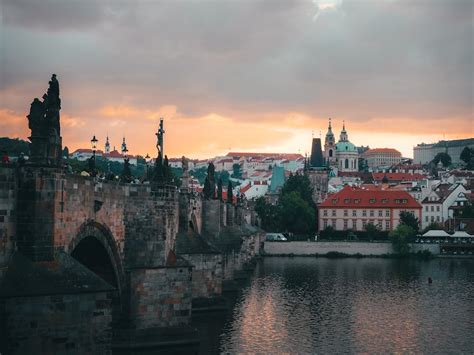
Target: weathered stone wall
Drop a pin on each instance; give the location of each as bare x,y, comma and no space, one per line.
160,297
206,275
7,216
351,248
211,217
58,324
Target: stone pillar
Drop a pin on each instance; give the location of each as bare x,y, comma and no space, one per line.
39,201
230,214
223,214
211,226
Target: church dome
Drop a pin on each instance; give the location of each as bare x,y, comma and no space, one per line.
345,146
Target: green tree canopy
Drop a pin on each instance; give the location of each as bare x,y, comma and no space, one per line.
410,220
467,156
269,215
302,185
401,237
372,231
444,158
236,171
296,214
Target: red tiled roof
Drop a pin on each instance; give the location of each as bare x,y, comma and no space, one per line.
398,176
289,156
350,197
83,150
382,150
245,189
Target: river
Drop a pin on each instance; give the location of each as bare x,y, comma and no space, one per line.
304,305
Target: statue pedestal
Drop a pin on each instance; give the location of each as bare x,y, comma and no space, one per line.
46,150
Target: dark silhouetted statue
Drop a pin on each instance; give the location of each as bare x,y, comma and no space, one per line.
44,123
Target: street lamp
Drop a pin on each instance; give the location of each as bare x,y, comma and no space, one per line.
94,141
147,165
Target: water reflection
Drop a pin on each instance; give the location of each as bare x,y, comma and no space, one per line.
307,305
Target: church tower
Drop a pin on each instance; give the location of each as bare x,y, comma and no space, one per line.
343,137
124,147
330,146
107,145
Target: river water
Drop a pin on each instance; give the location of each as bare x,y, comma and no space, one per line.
304,305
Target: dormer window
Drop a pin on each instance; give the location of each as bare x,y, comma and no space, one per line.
384,200
372,200
404,201
347,200
357,201
334,201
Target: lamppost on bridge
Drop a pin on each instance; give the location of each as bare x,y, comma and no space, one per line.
147,167
94,141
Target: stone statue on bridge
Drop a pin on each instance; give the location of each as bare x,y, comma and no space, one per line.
44,123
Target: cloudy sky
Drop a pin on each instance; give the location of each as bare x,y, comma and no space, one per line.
241,75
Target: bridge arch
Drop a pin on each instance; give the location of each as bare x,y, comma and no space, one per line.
94,246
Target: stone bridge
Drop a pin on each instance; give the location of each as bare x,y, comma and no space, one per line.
124,233
90,265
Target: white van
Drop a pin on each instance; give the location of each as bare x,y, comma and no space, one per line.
275,237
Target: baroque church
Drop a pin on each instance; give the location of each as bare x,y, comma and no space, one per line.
342,155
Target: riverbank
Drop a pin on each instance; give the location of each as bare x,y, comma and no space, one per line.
342,248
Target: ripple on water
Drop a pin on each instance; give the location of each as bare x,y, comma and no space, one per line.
306,305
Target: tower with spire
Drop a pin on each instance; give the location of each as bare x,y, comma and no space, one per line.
343,137
107,145
330,146
124,147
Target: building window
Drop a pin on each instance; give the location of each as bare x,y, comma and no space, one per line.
371,213
372,200
432,218
354,224
354,213
334,201
345,213
432,208
379,224
345,224
380,213
325,223
364,213
333,213
426,208
437,208
387,213
334,223
387,225
426,218
384,200
325,213
371,221
437,218
357,200
347,200
364,223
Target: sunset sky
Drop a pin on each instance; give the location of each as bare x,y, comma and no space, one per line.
241,75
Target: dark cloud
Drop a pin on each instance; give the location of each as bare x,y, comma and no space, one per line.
358,59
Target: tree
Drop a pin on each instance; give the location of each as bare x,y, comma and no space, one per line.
467,156
302,185
269,215
444,158
362,162
236,171
66,152
400,238
219,189
206,191
410,220
230,195
297,216
372,231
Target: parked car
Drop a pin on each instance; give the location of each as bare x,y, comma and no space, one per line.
275,237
